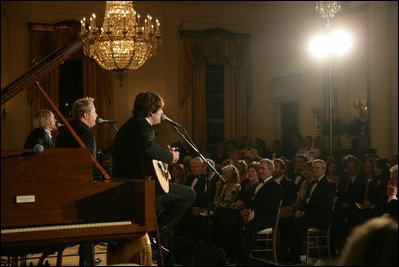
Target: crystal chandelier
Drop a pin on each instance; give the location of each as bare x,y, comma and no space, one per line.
125,41
328,9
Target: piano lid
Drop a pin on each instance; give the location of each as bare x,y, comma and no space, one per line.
37,72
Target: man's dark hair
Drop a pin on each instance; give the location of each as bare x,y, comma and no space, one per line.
147,103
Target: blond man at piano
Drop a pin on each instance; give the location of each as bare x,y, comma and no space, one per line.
43,124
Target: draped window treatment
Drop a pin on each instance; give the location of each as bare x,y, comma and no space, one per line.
216,46
97,83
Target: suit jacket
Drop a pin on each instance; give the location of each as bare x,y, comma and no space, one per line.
351,193
39,136
266,201
208,194
198,187
134,142
290,193
383,206
66,139
320,203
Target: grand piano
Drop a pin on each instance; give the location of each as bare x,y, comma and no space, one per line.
50,200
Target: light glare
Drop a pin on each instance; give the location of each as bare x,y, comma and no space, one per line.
337,42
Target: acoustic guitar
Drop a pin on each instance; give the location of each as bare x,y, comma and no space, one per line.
162,174
156,170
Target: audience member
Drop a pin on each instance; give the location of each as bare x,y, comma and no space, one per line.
388,204
299,166
314,211
334,172
248,185
279,175
368,168
296,144
263,151
249,150
197,179
242,168
351,190
309,150
276,150
219,156
225,197
262,209
374,243
177,173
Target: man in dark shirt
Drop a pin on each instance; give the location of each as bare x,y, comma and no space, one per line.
84,117
135,142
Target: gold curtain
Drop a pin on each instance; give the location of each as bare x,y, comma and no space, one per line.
216,46
97,83
44,42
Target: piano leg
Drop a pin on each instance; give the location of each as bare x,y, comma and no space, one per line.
136,250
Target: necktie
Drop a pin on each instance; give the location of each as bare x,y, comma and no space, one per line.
349,185
258,187
252,212
312,188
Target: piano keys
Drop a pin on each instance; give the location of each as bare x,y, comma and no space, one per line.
62,204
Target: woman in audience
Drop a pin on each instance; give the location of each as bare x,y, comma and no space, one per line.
248,185
375,190
368,168
333,172
177,173
227,193
225,197
378,184
242,168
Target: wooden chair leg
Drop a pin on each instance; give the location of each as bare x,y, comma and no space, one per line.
307,247
60,253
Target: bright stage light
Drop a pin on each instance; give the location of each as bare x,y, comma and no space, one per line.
341,42
337,42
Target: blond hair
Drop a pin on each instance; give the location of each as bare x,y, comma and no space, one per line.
42,119
235,175
82,106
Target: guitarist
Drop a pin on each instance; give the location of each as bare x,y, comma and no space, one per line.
136,140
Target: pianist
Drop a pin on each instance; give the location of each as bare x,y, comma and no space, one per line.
43,124
135,140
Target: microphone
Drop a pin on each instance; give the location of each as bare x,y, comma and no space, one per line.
165,118
37,149
100,120
59,125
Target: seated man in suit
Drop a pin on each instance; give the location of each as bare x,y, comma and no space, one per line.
314,211
351,190
262,209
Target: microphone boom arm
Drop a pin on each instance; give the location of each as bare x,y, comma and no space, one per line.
199,153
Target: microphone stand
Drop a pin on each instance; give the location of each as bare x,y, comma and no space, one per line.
207,178
113,126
